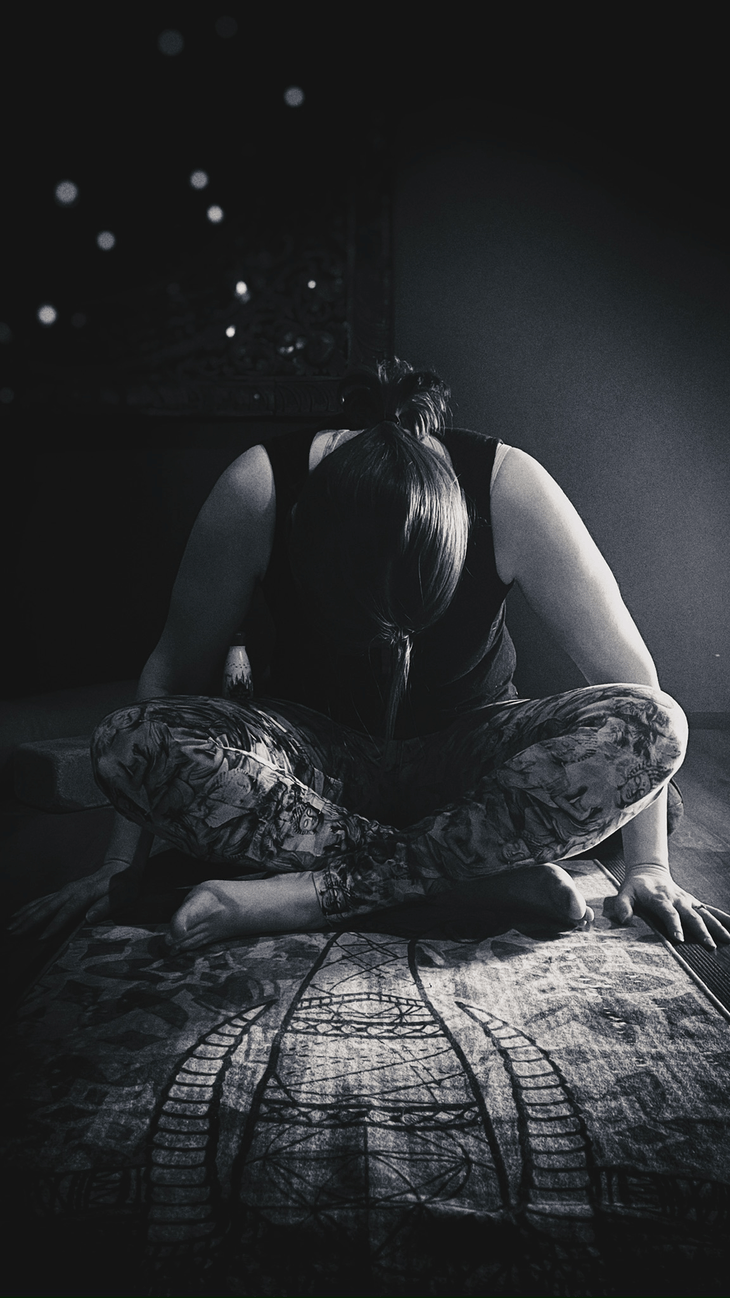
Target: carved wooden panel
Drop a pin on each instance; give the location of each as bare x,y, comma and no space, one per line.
263,322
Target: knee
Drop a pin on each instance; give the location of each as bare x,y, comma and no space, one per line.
655,721
673,725
117,745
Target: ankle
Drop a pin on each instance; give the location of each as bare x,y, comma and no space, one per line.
296,901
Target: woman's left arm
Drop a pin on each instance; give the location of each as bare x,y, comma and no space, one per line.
542,544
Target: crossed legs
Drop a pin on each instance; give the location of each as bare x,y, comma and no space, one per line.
489,805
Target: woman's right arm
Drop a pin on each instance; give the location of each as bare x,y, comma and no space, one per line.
227,554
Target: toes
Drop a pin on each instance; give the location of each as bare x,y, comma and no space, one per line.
190,940
193,915
180,936
192,943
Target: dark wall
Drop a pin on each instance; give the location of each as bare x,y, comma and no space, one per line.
581,313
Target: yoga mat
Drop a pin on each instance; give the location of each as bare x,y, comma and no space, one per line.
359,1113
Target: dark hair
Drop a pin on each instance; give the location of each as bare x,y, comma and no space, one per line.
416,400
379,537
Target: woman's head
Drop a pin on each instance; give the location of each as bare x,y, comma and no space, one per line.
379,537
416,400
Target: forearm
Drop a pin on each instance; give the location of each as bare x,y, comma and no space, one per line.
128,843
645,837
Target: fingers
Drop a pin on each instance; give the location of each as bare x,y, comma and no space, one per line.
64,917
100,910
716,916
678,915
704,925
714,910
618,908
664,910
33,914
684,920
28,908
57,909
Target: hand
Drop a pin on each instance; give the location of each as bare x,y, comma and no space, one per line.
677,913
88,897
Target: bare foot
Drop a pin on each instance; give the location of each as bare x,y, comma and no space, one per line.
224,908
540,897
89,897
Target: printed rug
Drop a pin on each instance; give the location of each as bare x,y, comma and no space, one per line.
363,1113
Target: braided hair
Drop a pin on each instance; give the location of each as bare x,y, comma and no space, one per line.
378,540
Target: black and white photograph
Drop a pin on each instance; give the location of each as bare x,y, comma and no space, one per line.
365,721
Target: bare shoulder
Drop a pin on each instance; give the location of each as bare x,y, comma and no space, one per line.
239,515
522,482
542,544
248,480
530,514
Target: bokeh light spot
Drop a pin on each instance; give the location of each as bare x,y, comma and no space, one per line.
105,240
294,96
66,193
226,27
215,213
198,179
311,283
6,395
230,331
170,42
47,314
242,290
6,333
78,319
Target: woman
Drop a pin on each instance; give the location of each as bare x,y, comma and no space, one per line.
389,761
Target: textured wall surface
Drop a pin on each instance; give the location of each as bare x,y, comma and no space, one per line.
592,331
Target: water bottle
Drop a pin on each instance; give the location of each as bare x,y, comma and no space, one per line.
237,678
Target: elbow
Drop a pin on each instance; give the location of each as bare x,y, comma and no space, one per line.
159,679
645,672
154,684
635,667
614,657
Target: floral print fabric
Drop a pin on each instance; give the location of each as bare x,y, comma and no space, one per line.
273,786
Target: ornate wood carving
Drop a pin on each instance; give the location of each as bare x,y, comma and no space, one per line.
311,299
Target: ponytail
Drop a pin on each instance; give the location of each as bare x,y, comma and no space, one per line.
415,400
402,649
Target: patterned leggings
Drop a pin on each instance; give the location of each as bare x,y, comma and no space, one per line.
269,785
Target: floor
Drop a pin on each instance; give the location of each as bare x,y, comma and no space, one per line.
39,852
700,848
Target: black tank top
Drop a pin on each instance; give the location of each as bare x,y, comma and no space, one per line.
463,662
